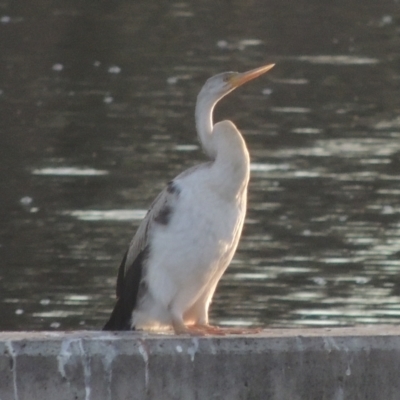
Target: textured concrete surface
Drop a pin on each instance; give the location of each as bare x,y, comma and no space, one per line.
320,364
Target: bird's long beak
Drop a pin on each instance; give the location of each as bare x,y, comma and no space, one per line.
244,77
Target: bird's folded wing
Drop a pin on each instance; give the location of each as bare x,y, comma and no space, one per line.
158,214
141,238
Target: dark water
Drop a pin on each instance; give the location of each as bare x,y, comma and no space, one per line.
97,101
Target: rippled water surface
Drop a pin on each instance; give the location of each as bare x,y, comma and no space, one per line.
98,100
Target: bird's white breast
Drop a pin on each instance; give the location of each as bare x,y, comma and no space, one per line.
197,244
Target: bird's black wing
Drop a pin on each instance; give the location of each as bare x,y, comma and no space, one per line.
159,212
127,293
132,271
121,276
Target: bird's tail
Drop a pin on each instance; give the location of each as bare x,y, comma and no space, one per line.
120,319
128,283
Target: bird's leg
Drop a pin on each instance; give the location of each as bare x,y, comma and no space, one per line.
181,329
178,325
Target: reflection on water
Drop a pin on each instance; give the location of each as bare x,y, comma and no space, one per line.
295,110
69,171
99,102
107,215
339,60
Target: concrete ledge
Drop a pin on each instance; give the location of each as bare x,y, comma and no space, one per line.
320,364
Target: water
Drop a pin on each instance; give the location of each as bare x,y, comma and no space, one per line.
98,101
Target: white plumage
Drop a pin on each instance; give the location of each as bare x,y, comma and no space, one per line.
191,232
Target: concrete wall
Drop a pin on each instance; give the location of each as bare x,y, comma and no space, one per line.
320,364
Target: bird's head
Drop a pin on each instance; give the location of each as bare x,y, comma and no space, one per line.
214,90
221,84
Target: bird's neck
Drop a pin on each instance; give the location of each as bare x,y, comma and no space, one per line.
204,123
224,144
231,167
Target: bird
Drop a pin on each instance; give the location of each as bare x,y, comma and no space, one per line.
190,233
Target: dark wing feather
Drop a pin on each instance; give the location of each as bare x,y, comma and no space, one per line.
121,275
132,269
160,213
127,291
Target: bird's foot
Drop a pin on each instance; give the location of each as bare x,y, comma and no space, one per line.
189,330
210,330
242,331
204,329
181,329
216,330
198,330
